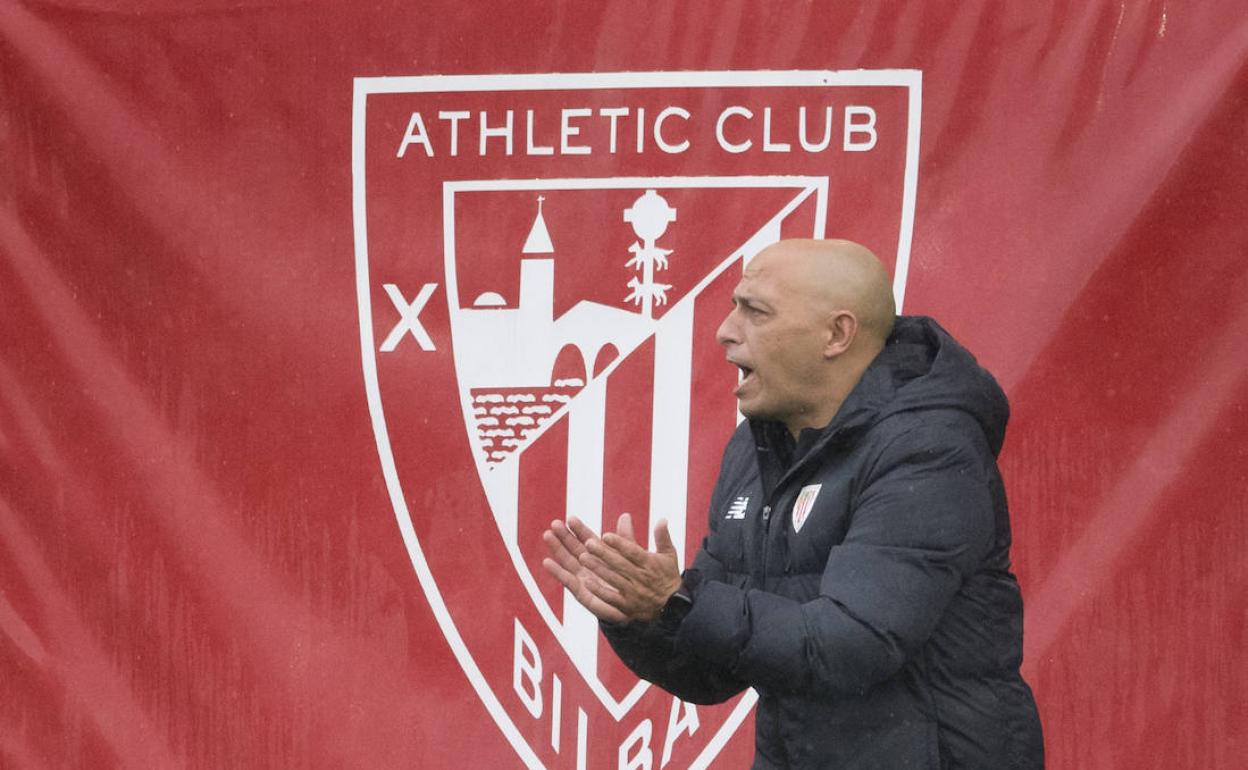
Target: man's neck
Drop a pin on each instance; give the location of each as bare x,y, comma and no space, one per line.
815,419
843,376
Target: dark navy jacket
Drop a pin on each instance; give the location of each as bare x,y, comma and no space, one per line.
881,626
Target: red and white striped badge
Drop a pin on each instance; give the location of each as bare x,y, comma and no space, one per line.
805,502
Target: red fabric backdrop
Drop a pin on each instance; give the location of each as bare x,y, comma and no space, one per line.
199,562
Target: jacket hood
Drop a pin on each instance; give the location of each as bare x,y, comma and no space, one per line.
923,367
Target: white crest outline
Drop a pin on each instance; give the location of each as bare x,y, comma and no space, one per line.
363,87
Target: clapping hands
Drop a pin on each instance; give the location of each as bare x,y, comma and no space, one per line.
613,576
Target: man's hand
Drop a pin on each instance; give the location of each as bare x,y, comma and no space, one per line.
613,576
566,544
632,580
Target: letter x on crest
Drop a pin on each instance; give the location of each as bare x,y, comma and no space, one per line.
409,317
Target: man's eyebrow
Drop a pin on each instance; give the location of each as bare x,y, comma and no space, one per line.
749,300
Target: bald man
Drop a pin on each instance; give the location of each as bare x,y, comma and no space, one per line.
856,572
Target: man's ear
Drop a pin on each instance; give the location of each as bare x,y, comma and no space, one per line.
842,329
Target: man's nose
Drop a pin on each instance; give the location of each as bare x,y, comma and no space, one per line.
726,334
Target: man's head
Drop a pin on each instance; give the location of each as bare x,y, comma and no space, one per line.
808,318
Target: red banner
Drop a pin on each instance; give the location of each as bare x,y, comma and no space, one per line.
314,315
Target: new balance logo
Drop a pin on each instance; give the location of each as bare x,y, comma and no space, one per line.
737,509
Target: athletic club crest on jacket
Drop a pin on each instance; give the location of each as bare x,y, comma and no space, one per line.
804,503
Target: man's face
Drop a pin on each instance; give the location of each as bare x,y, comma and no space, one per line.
773,334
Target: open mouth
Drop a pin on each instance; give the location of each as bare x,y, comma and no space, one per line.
746,373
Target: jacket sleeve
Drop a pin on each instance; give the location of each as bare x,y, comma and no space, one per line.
649,650
922,523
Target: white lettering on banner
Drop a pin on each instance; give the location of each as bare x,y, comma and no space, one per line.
572,133
454,117
639,738
529,147
527,668
409,317
415,133
504,131
567,131
635,750
768,144
526,680
556,709
719,129
613,113
658,130
827,130
853,127
582,737
859,121
683,719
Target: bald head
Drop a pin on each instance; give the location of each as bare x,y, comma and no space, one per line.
808,318
831,276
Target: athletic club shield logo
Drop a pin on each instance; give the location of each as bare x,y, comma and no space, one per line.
802,506
542,262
